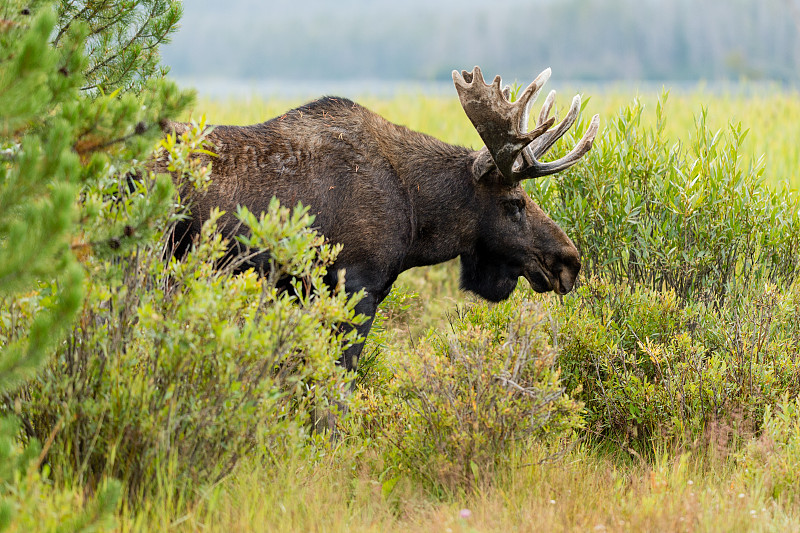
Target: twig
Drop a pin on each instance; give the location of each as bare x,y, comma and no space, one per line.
47,445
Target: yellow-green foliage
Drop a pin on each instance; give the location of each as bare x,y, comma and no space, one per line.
693,217
654,369
162,382
455,415
773,460
771,117
181,368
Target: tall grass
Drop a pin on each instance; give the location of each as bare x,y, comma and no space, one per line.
584,491
712,482
437,440
772,117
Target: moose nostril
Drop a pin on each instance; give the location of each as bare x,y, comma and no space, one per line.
565,281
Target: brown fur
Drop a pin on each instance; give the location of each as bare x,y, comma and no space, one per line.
394,199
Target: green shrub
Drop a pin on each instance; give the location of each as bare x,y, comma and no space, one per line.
689,320
773,460
29,501
696,218
183,367
652,368
458,415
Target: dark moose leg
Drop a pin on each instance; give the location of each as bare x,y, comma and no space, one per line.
376,290
367,307
325,418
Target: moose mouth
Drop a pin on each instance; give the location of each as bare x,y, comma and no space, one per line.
538,281
542,283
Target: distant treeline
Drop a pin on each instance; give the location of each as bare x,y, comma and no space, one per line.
417,40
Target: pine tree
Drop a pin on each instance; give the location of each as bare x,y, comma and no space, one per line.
37,188
81,97
122,39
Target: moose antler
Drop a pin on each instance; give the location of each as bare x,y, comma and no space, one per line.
503,125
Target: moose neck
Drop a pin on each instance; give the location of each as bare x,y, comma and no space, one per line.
438,179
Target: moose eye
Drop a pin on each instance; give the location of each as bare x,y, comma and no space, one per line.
514,209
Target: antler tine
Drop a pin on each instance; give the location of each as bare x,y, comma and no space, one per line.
529,95
528,163
547,107
527,155
543,115
541,145
537,169
498,120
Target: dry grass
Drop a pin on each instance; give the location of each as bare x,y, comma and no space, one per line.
339,487
583,492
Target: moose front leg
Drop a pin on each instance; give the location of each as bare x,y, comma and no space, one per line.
325,419
368,306
375,290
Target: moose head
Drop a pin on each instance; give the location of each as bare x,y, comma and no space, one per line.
397,199
516,237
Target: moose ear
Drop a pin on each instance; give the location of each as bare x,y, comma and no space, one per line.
483,164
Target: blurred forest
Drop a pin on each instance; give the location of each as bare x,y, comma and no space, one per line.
594,40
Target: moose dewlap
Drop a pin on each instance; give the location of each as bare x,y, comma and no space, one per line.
397,199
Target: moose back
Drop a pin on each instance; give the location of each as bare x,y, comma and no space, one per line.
396,199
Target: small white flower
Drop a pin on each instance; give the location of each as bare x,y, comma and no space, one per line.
741,495
552,502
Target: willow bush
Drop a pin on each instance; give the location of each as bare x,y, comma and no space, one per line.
187,366
695,218
471,401
686,315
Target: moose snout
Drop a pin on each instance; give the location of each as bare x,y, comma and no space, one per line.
564,279
564,282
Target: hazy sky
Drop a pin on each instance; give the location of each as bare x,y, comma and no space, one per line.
424,40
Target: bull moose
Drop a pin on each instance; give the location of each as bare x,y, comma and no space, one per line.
397,199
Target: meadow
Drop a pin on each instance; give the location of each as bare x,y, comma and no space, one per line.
660,395
770,115
735,470
768,112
